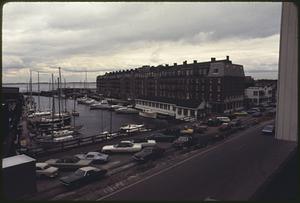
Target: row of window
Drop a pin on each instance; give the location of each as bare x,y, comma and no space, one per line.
154,104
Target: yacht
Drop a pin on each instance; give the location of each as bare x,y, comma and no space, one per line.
82,100
114,107
132,128
39,114
126,110
100,105
148,113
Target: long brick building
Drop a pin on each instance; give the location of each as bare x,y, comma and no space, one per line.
179,90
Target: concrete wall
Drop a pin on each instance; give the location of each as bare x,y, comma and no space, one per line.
287,101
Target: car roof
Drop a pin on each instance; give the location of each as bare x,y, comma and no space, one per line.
97,153
41,164
88,168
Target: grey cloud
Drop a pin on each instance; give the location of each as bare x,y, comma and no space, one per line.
51,32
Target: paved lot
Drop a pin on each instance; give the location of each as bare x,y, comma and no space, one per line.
233,170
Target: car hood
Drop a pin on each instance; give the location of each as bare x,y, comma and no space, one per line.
108,147
70,178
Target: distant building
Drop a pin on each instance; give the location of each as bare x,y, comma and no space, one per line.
185,90
263,91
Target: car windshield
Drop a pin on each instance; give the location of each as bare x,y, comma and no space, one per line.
47,166
79,172
90,156
269,127
124,145
147,150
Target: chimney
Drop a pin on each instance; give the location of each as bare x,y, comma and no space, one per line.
175,64
195,61
213,59
167,65
227,58
185,62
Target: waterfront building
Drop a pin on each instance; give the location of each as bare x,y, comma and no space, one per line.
179,90
263,92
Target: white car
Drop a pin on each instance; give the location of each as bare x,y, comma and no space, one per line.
125,146
44,169
96,157
144,142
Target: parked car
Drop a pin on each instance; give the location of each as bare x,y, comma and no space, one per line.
224,127
257,114
241,113
172,131
251,111
184,141
213,122
69,163
159,137
148,153
223,119
144,142
125,146
268,130
44,169
96,157
235,122
83,176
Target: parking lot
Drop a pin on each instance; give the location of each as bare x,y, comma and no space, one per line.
118,165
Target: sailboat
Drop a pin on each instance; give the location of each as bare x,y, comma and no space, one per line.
74,112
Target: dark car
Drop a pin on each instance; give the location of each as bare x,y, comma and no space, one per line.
159,137
213,122
257,114
236,122
172,131
83,176
148,153
252,111
184,141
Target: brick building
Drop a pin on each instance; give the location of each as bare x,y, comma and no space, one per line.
179,90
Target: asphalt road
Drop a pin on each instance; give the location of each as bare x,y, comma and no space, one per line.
232,170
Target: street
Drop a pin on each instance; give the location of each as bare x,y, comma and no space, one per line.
232,170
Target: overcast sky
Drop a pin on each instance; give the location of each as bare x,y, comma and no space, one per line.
100,37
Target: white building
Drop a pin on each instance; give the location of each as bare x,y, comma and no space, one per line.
259,95
178,111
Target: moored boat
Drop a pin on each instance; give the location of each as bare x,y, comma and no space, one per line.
126,110
148,114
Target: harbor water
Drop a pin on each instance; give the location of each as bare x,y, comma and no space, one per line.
92,119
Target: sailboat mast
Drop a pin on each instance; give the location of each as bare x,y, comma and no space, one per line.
58,92
53,106
49,96
39,105
65,95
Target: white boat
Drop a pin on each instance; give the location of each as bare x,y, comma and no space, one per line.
75,113
100,105
148,113
114,107
132,128
82,100
127,110
39,114
89,101
64,138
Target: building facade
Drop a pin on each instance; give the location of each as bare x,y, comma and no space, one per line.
263,92
179,90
